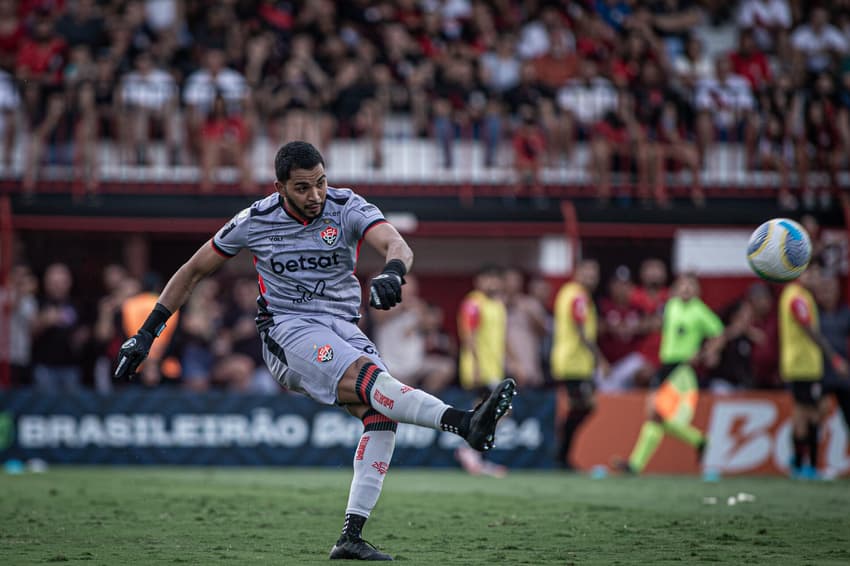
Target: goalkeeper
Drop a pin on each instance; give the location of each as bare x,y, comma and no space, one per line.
691,333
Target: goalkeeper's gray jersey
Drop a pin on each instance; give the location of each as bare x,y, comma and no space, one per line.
304,267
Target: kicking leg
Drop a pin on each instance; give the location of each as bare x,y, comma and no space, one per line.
371,462
364,382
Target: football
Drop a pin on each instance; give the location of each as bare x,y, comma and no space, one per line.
779,250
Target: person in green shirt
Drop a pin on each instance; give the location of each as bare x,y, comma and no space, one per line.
690,333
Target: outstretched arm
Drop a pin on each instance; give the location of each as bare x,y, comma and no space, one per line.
386,240
385,288
205,261
134,351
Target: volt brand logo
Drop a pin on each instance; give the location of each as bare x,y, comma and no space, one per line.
325,353
329,235
304,263
307,295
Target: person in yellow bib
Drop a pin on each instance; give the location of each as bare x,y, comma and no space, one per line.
482,331
802,349
691,333
575,355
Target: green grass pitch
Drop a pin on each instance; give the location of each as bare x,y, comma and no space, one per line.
125,516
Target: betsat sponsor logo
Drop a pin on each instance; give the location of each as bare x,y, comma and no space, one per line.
302,263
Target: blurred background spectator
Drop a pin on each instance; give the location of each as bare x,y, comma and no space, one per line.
59,334
19,297
526,330
716,89
405,338
622,329
628,98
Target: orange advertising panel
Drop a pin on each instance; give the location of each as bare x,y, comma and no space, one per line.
748,434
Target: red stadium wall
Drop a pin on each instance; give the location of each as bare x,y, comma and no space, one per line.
748,434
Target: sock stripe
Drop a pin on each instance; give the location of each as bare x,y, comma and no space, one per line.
373,420
365,381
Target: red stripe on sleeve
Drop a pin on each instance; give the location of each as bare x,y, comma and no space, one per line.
220,251
579,309
801,311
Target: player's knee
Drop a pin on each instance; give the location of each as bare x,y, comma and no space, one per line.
357,366
373,420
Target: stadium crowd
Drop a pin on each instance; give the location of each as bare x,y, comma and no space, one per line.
62,339
628,79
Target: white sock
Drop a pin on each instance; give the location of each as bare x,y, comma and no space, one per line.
371,462
398,401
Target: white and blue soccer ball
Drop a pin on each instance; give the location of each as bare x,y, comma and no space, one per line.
779,250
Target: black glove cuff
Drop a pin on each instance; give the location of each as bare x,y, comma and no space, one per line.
395,266
156,320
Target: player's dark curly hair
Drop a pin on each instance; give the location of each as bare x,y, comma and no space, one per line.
295,155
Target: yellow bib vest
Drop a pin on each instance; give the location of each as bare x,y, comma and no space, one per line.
490,336
800,358
571,359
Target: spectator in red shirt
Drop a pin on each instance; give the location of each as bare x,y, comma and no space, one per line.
765,328
529,149
39,68
224,136
650,298
749,62
622,332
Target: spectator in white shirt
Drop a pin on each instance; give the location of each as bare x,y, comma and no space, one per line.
725,106
693,65
585,101
769,21
500,68
537,37
148,95
204,85
816,43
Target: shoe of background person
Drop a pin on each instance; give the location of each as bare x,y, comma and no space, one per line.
474,464
469,460
482,424
623,467
809,473
349,548
493,470
701,450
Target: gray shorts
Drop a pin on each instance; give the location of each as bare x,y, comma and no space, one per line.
309,354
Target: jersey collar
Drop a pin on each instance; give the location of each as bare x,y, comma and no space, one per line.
291,213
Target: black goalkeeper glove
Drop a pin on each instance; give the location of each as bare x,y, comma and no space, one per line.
134,351
385,289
